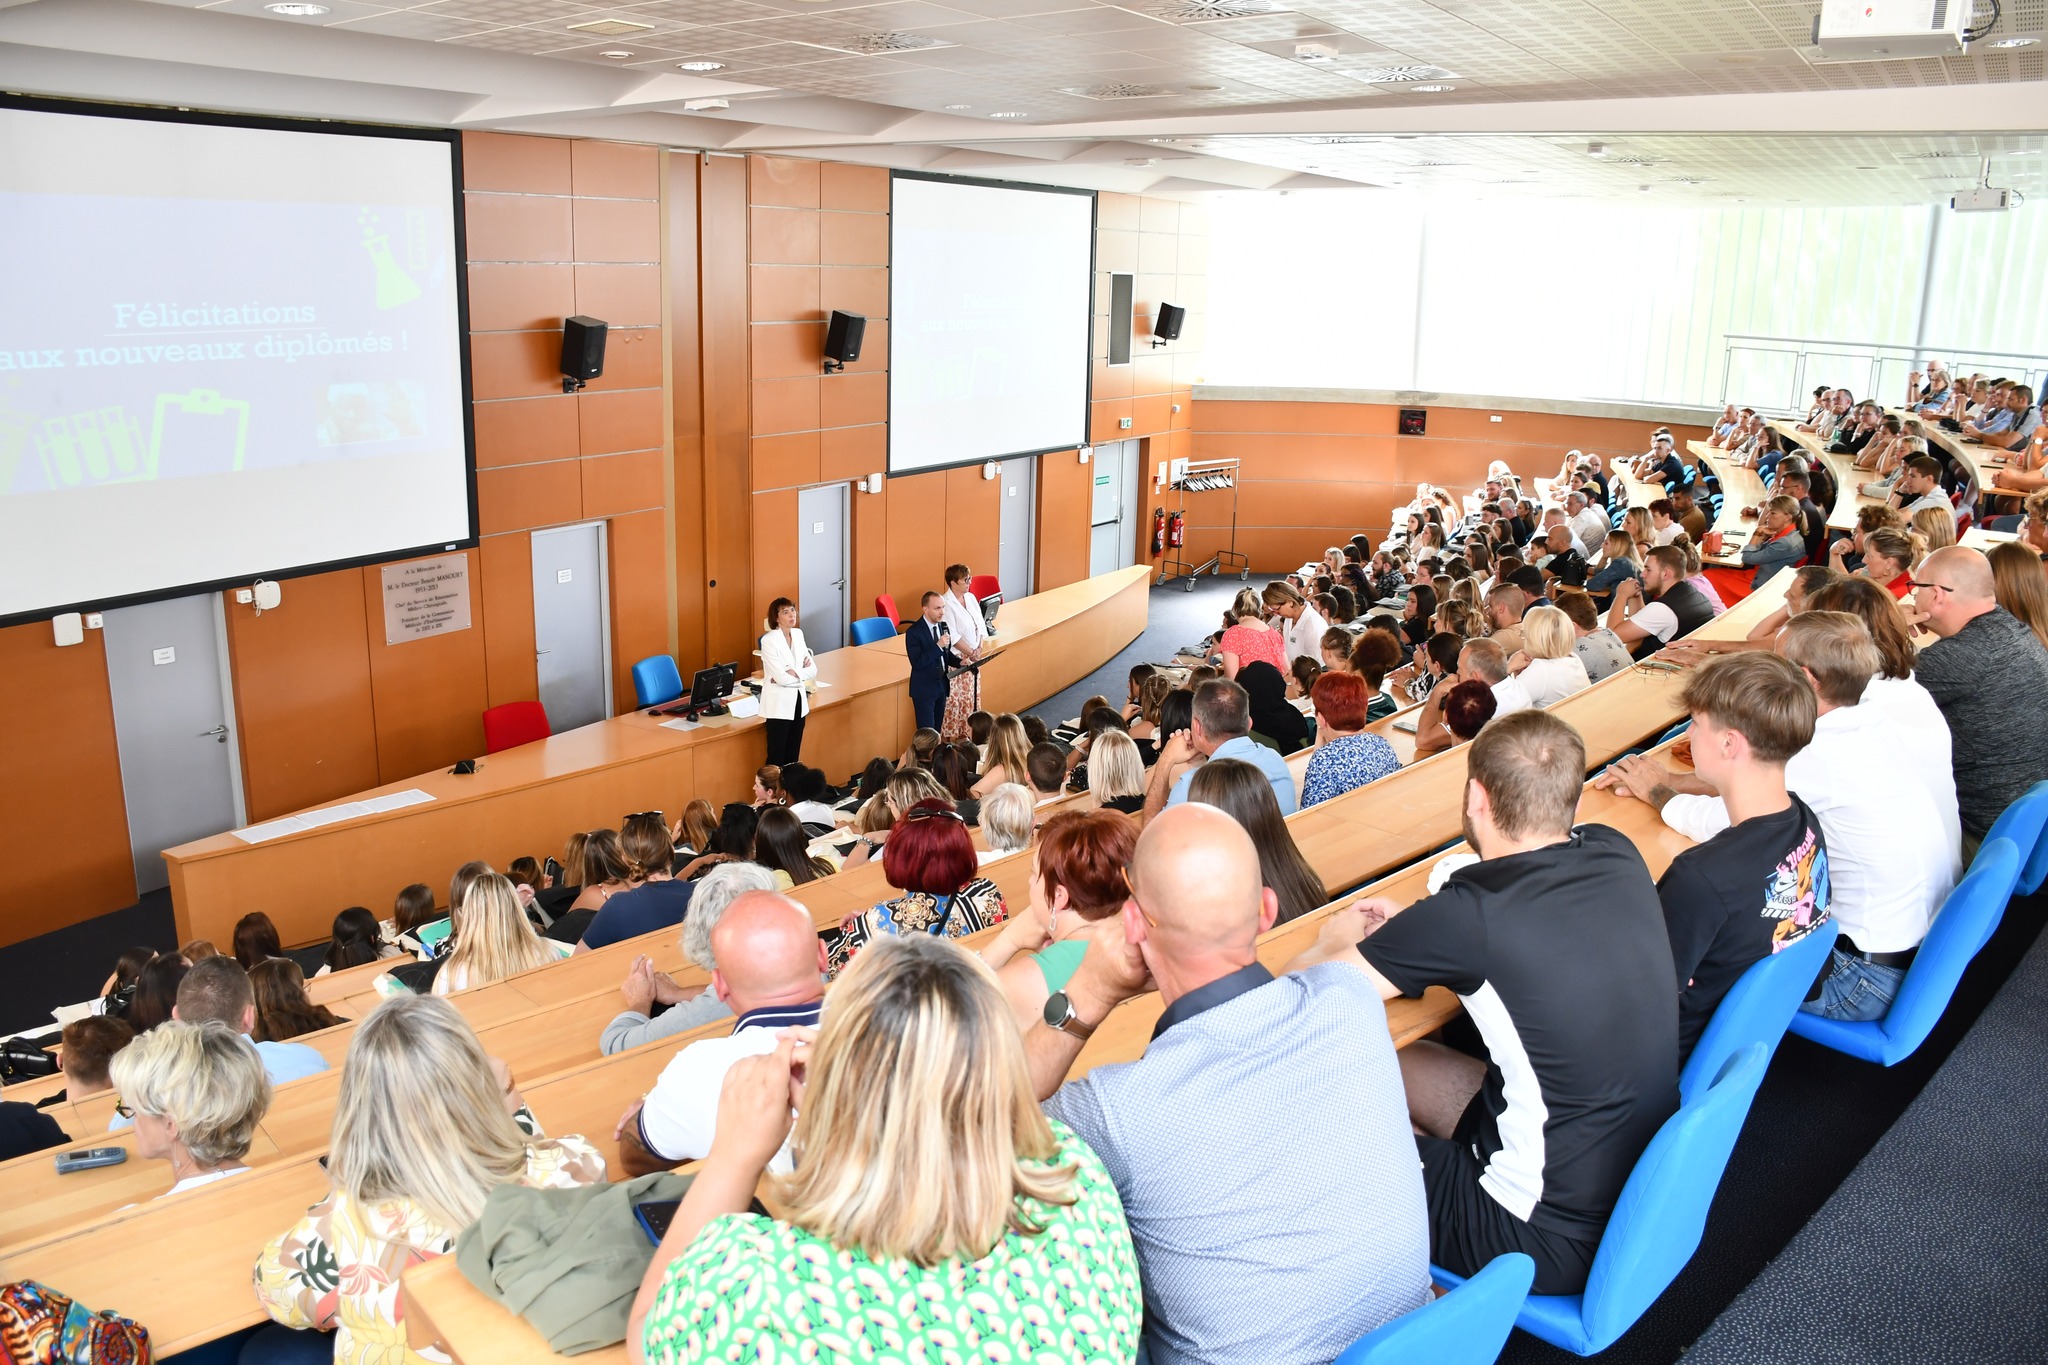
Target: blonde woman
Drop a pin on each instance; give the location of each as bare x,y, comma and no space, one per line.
1116,773
1248,639
1889,557
1005,760
1635,524
1932,528
196,1093
493,939
1548,665
425,1127
929,1187
1006,821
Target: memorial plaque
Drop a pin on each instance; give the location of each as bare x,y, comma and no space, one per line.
425,597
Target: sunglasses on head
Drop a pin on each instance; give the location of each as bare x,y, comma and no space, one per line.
929,813
643,815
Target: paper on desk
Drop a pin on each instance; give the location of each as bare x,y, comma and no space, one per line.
411,796
272,829
328,815
741,707
679,724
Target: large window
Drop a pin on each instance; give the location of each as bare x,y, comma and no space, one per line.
1576,299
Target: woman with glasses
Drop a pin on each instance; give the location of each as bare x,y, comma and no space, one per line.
196,1093
930,856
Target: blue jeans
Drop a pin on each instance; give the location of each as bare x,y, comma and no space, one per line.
275,1345
1855,991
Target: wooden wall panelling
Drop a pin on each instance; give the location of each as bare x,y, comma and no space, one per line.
724,232
973,529
429,694
1065,487
870,552
60,784
686,401
303,709
917,538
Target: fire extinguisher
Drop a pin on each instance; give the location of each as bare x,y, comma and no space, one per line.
1158,530
1176,530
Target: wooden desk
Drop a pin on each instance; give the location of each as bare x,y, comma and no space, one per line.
1977,538
1740,488
1965,453
528,800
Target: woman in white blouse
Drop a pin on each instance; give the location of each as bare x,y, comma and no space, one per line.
970,636
786,665
1549,668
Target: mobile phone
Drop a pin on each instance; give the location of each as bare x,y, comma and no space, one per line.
90,1159
553,870
655,1215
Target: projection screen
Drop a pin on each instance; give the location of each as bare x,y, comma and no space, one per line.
227,350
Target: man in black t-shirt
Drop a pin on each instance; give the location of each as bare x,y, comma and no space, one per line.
1761,884
1555,943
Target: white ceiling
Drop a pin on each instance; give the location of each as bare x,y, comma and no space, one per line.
1700,100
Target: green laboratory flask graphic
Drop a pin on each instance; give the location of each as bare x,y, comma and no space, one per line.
394,286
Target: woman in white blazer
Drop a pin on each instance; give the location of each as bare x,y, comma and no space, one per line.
970,637
786,665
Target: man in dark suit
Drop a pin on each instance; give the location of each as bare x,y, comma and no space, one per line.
930,647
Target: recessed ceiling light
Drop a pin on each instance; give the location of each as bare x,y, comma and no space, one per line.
700,66
957,107
617,54
1008,113
296,9
1596,149
1432,89
1205,89
2002,42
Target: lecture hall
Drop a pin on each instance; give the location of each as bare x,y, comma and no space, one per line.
877,621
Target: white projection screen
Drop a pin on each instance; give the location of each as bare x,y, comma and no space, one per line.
228,350
990,311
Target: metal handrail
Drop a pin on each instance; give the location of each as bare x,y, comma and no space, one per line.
1876,356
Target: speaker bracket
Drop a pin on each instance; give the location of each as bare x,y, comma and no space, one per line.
833,366
571,384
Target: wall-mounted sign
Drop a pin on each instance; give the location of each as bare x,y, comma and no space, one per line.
425,597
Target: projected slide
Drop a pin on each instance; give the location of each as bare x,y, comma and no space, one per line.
989,320
224,352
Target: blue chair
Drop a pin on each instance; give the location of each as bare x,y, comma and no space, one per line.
1961,927
2024,822
1758,1007
656,680
869,629
1657,1223
1467,1326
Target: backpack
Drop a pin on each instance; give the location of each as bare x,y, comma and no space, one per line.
39,1326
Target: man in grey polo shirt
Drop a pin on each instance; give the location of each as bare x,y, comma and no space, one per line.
1222,729
1261,1145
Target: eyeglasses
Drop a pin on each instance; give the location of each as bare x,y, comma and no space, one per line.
1937,587
121,1108
929,813
1132,887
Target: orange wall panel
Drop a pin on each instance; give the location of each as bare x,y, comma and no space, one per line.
783,293
617,484
302,701
917,537
846,400
852,452
60,784
613,170
790,182
861,289
622,295
429,694
621,230
776,534
862,189
516,227
522,497
514,164
853,239
1065,487
518,364
632,360
870,552
783,236
506,563
637,548
786,461
973,527
505,298
525,430
627,420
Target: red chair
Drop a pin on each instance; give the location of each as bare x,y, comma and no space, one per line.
885,607
513,724
985,588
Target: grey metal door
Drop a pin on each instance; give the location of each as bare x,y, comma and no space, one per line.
1106,506
1020,496
180,773
821,573
572,625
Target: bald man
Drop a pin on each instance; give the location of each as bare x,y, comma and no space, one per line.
771,973
1989,675
1260,1146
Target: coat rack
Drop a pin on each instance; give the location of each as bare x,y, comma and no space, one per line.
1208,476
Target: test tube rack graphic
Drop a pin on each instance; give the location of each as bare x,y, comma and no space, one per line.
96,447
204,403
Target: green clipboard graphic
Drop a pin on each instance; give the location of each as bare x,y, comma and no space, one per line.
197,433
90,448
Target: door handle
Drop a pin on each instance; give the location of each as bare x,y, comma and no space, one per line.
538,652
838,582
218,732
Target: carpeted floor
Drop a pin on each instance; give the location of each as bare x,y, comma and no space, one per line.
1176,617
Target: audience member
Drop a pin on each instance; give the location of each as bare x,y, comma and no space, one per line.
1756,880
654,898
770,974
219,991
1347,755
1599,649
1557,931
768,787
1988,673
1617,564
255,939
1549,668
734,842
1274,719
119,989
1246,636
1373,658
1301,635
935,1189
1220,728
930,856
25,1129
781,846
1776,543
684,1007
1205,1133
1302,677
1919,487
1240,791
156,992
1007,756
1691,517
198,950
1809,520
1466,707
1078,870
1008,817
195,1092
425,1127
357,941
493,939
952,767
89,1044
1662,608
1505,604
283,1009
419,926
1046,768
806,788
1116,773
1589,525
2020,586
605,872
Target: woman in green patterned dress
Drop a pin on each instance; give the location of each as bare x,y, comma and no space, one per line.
935,1213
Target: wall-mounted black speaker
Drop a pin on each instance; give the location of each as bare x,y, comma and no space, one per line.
842,339
1167,322
582,352
1414,421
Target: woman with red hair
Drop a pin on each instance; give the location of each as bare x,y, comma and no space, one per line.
930,856
1347,755
1077,879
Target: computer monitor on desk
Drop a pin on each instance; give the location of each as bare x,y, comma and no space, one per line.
706,688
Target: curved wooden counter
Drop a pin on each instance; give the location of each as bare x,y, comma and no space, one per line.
528,800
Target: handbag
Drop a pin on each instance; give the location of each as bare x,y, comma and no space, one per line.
39,1326
22,1060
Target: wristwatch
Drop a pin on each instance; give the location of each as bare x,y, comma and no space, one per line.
1059,1014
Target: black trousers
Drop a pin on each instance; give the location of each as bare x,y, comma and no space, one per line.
785,739
930,710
